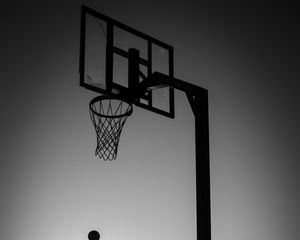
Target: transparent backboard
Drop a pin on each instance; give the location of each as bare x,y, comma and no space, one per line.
104,47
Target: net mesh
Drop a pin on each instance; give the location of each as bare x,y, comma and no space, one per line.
108,116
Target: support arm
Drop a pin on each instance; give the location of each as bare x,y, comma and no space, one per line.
157,79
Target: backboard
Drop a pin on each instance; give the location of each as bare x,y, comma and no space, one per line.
105,46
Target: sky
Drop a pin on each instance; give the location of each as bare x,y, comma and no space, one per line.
53,187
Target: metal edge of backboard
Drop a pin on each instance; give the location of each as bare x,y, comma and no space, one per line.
86,10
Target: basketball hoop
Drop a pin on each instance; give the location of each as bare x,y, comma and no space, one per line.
108,116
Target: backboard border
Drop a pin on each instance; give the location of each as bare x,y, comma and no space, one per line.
151,40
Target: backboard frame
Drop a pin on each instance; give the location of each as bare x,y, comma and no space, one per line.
113,89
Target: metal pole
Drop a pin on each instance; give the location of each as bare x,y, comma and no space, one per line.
200,110
198,99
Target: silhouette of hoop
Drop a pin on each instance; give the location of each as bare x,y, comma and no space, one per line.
108,116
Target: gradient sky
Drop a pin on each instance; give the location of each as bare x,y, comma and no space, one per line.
52,185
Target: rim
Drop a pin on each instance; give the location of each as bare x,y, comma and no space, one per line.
101,98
